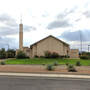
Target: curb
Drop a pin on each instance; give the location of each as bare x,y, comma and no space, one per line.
45,75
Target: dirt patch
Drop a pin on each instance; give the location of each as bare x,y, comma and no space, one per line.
42,69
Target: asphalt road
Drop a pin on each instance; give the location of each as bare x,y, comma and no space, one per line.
35,83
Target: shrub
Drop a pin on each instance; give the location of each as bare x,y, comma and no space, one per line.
71,68
66,56
54,55
50,67
43,64
67,64
2,63
55,63
49,54
21,55
78,63
36,56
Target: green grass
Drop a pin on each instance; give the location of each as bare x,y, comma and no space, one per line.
47,61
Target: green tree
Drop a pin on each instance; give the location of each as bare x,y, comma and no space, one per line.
11,53
21,55
2,53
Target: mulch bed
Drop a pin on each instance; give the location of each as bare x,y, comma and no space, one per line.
42,69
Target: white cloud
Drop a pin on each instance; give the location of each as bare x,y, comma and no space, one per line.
40,13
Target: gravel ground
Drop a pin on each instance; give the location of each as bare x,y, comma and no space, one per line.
42,69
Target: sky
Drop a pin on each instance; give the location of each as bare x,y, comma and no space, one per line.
68,20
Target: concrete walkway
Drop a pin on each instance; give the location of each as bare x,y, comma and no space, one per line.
46,75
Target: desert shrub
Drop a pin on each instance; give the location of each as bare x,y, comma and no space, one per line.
2,53
43,64
50,67
55,63
21,55
78,63
2,63
71,68
67,64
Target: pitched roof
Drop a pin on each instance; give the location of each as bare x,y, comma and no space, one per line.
52,37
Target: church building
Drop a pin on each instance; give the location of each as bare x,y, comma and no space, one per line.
49,43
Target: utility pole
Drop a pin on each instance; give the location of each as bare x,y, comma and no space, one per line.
7,46
81,42
88,47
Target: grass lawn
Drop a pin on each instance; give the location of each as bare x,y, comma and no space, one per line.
47,61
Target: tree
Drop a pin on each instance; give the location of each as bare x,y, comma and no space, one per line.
21,55
11,53
2,53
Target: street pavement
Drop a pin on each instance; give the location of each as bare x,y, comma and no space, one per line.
43,83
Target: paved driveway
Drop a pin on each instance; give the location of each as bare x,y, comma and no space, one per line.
34,83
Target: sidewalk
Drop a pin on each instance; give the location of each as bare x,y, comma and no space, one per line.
46,75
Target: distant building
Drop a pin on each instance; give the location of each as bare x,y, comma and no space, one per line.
49,43
74,53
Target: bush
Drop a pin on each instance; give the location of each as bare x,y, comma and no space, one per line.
50,67
54,55
43,64
2,63
66,56
49,54
55,63
71,68
21,55
78,63
36,56
67,64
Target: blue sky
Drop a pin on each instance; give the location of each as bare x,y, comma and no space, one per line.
64,19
